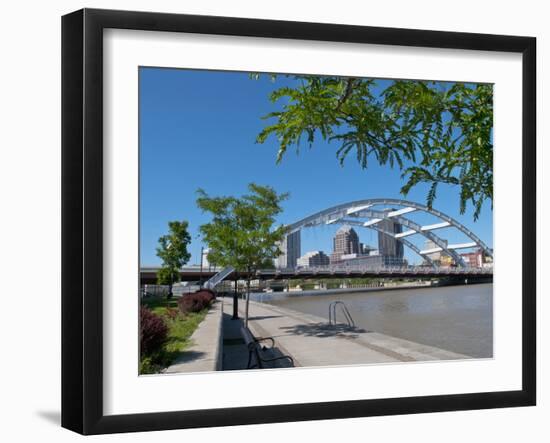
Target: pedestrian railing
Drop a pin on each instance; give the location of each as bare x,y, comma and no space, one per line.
344,309
215,280
385,270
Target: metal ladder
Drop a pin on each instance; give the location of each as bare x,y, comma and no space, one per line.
332,313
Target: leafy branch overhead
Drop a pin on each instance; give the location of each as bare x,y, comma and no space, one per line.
435,133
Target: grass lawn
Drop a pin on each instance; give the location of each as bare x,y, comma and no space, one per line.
180,329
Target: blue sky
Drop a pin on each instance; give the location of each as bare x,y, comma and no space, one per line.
198,129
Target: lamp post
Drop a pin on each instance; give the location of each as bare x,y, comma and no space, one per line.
170,293
202,255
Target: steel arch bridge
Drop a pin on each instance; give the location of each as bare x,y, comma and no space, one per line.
362,213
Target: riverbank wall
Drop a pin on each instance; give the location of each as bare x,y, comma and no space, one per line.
392,287
429,285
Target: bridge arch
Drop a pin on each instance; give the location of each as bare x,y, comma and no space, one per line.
348,213
417,229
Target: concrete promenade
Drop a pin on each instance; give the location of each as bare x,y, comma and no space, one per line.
217,343
310,341
205,352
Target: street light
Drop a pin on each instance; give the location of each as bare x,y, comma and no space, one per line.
202,255
170,293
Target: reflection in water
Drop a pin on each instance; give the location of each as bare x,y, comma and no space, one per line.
456,318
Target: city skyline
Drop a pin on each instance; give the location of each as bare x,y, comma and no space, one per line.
475,258
198,129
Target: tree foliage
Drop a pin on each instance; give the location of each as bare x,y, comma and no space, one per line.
435,133
242,232
172,250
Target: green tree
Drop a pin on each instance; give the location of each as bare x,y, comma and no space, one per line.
435,133
172,250
242,232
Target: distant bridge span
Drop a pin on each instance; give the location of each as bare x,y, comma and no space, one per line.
363,213
149,275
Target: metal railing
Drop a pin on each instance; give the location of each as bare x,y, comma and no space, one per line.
332,313
384,270
213,281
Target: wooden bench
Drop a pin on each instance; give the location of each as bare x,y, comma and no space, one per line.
256,350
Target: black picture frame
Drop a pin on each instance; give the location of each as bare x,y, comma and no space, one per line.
82,239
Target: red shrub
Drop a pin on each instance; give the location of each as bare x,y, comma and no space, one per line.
152,331
208,291
196,302
172,313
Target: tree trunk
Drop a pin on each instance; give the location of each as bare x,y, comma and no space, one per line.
170,293
247,301
235,303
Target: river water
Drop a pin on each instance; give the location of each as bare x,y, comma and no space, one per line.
455,318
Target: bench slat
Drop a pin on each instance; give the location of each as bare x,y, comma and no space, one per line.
255,348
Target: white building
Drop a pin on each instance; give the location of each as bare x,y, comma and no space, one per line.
313,258
205,262
429,244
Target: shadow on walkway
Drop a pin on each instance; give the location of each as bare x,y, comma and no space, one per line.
324,330
235,352
263,317
187,356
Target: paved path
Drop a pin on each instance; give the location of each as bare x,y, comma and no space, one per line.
312,342
217,343
204,354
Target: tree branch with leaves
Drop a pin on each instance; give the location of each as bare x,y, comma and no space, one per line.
242,231
435,133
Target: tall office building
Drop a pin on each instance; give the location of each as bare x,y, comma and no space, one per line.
346,241
388,246
290,251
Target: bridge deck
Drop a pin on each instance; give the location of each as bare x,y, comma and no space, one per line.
149,275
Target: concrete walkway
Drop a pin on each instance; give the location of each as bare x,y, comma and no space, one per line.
217,343
205,352
310,341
